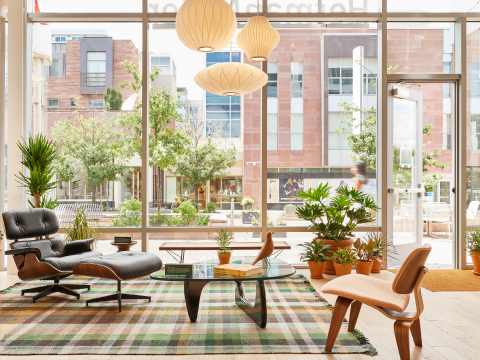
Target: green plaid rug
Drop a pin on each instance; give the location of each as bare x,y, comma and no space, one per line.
298,321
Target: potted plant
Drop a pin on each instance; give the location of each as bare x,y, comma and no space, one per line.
224,239
382,246
333,219
344,260
248,210
364,250
316,254
472,240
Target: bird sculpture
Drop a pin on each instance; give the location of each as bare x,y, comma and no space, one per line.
266,250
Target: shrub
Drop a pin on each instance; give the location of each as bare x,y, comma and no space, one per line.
188,213
80,229
211,207
158,219
202,220
113,99
130,214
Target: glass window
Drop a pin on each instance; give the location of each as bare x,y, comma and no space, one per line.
296,129
96,102
447,132
73,102
272,131
52,102
53,70
96,68
336,135
475,132
296,79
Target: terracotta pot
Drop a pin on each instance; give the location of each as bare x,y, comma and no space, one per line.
476,263
316,269
340,270
377,265
347,243
224,258
364,267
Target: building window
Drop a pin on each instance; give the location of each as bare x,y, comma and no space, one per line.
73,102
96,102
297,79
296,130
54,69
337,140
272,132
60,39
447,132
369,76
162,62
340,76
52,102
96,68
447,67
272,70
475,79
222,112
475,132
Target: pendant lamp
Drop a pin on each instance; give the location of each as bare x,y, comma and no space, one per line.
206,25
231,79
258,38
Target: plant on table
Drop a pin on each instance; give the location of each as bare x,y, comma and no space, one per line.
472,245
333,218
80,229
224,238
344,260
316,254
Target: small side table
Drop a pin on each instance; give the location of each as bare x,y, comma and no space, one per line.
123,246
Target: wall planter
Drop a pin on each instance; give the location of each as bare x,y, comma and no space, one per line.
335,245
377,265
316,269
476,263
364,267
341,270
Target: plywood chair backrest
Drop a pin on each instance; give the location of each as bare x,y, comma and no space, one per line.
407,275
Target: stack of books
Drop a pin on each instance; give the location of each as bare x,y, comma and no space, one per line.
237,270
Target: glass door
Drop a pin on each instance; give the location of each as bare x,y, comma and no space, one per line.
406,191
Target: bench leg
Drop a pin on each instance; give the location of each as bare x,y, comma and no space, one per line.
118,297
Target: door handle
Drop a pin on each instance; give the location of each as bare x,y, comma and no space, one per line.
453,190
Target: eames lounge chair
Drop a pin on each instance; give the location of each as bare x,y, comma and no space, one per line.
391,299
45,259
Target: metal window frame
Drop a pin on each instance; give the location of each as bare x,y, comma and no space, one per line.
382,17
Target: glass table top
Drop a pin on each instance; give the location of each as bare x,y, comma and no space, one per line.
276,269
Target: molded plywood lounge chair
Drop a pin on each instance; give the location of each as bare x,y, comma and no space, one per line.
391,299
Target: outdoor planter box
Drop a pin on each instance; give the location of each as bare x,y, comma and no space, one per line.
246,216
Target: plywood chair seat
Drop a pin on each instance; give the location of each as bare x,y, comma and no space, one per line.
368,290
391,299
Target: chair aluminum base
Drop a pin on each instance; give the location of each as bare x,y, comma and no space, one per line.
118,297
67,289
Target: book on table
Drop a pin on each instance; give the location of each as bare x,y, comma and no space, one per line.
237,269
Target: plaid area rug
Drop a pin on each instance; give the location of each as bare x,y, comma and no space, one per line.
298,321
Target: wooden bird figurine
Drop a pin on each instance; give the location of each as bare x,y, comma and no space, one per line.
266,250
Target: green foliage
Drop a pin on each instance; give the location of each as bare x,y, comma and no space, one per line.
211,208
382,246
113,99
345,257
46,203
188,213
247,201
315,252
92,147
364,249
338,218
224,238
472,241
80,229
130,214
38,156
202,220
158,219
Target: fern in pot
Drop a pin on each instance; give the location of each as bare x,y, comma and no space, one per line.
315,254
333,218
224,238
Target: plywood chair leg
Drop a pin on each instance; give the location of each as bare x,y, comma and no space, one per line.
416,332
402,333
354,311
341,307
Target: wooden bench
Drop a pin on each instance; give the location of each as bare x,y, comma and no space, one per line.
171,247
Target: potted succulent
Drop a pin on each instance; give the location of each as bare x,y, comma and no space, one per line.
364,250
316,254
333,219
382,246
224,239
248,210
344,260
472,240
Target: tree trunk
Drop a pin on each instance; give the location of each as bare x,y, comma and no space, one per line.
196,193
94,193
101,194
36,200
159,192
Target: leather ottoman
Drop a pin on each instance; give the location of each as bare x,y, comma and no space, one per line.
123,266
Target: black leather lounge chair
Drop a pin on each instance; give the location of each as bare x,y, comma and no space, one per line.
45,259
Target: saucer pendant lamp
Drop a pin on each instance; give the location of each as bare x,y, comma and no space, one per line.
231,79
258,38
206,25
